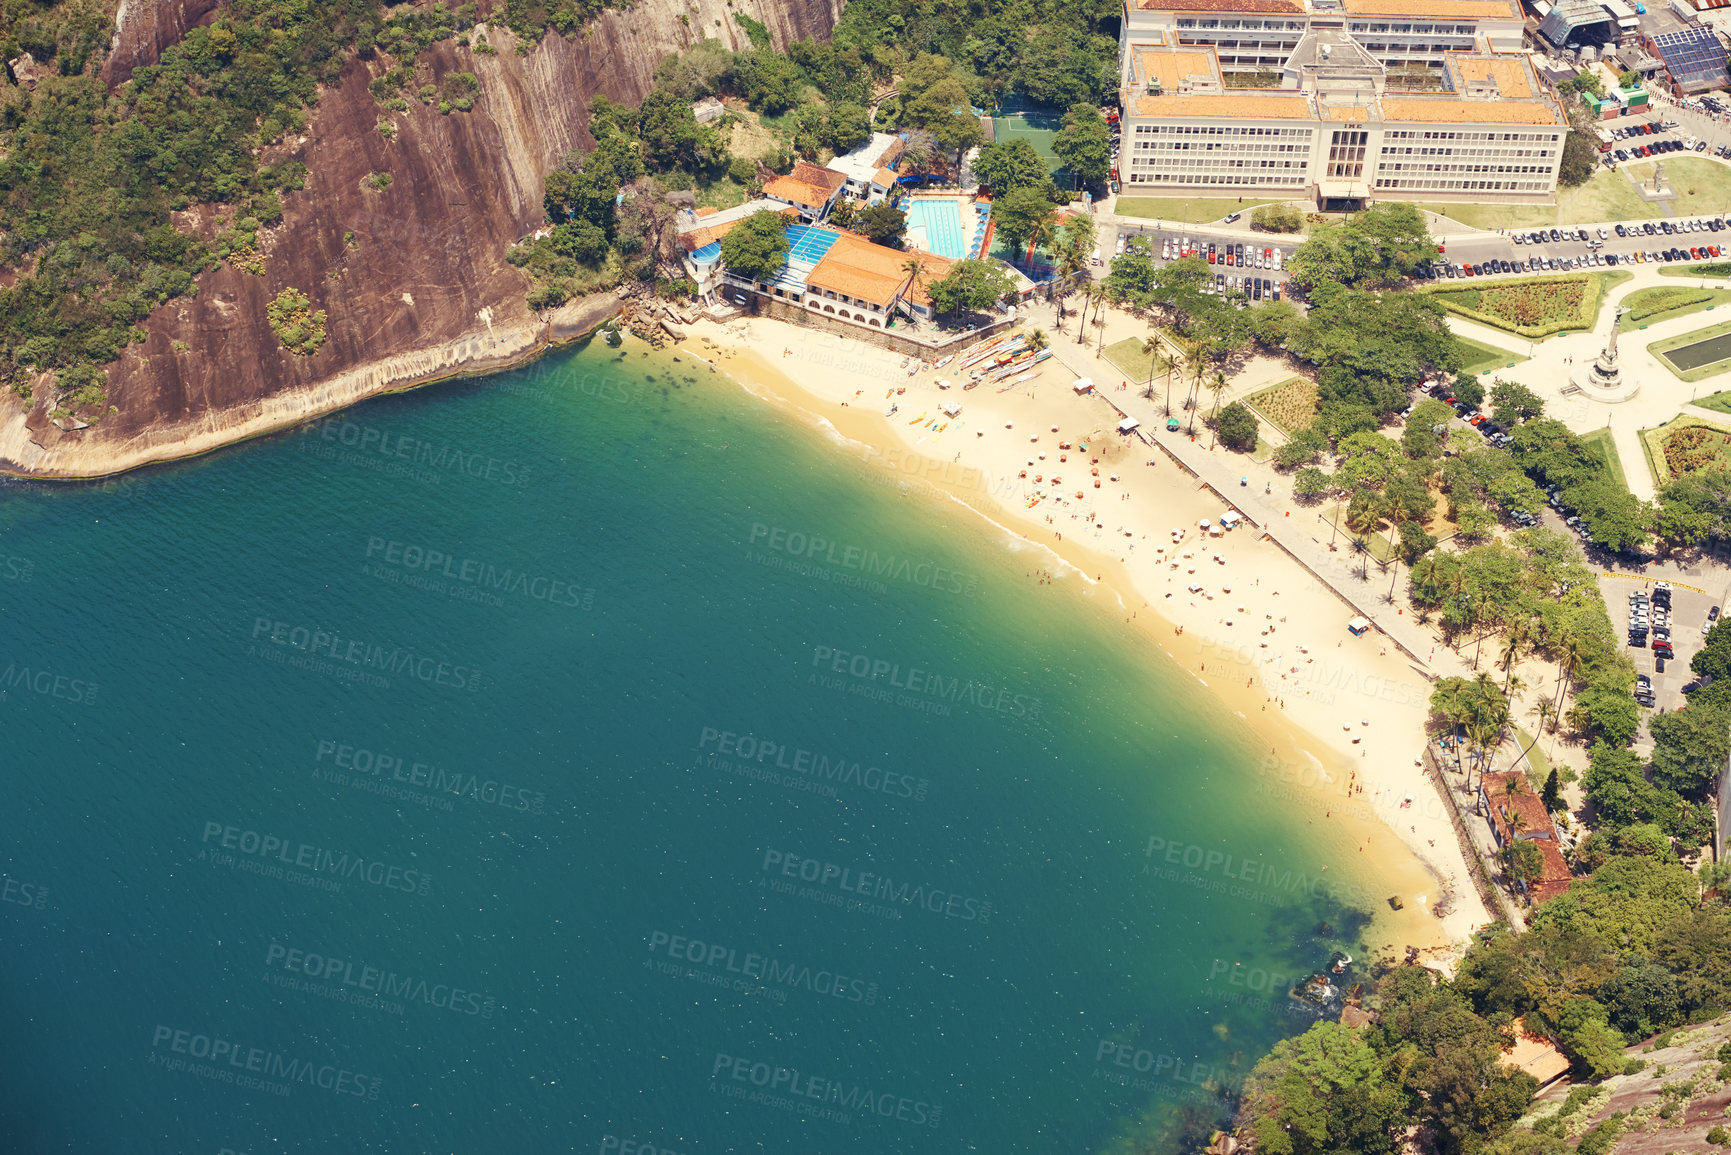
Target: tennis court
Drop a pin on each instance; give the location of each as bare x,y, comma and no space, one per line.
1700,353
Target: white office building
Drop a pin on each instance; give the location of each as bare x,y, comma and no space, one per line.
1335,100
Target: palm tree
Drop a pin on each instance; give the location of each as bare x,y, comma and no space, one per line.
1513,646
1090,293
1544,711
1150,350
1037,340
1216,386
920,151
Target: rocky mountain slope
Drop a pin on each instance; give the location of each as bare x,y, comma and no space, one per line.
413,276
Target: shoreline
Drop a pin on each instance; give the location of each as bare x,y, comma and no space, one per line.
1350,776
476,354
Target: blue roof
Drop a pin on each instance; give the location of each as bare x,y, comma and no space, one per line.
1693,56
708,254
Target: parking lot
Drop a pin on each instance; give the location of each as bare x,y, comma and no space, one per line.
1690,607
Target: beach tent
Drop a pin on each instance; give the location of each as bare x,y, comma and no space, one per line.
950,408
1357,625
1126,424
1083,384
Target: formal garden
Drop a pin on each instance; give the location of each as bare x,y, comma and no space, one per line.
1533,308
1289,405
1685,445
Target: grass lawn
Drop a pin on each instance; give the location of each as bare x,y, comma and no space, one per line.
1607,197
755,140
1702,186
1193,211
1683,300
1288,405
1486,357
1379,546
1538,766
1136,365
1480,216
721,194
1714,445
1601,445
1660,349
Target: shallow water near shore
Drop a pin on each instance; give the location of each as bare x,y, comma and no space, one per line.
588,756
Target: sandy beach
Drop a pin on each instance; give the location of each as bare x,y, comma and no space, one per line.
1343,716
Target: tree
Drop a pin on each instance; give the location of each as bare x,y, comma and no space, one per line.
1415,542
769,81
882,223
1310,483
1690,747
1323,1091
1084,144
1523,860
1384,242
1022,217
695,73
1468,389
1236,426
846,126
1010,165
1580,159
1282,218
756,247
1512,402
970,284
1426,425
1552,795
1629,78
672,138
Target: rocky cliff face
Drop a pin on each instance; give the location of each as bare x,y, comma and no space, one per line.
413,278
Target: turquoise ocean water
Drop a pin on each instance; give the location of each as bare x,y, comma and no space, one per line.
592,759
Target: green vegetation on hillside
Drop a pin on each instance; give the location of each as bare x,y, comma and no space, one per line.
90,181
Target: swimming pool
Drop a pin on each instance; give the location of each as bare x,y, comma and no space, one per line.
945,226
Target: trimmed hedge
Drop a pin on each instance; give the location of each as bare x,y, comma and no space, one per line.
1662,299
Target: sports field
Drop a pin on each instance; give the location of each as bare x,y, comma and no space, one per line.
1038,129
